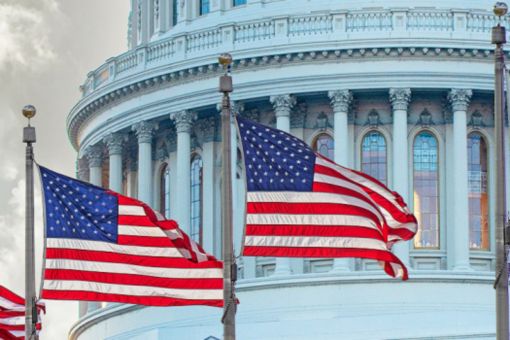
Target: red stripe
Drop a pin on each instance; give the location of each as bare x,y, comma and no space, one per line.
8,295
11,313
312,230
395,211
17,327
139,300
142,221
148,261
145,241
5,335
378,255
135,280
311,209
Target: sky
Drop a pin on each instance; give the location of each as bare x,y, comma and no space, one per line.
47,47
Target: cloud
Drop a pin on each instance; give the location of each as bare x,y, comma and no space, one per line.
24,34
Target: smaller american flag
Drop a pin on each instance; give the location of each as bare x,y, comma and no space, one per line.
103,246
301,204
12,315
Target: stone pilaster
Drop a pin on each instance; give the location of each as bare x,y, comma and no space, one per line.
144,131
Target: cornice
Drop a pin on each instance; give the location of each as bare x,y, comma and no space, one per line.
145,82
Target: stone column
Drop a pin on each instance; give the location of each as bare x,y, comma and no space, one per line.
94,155
459,100
144,132
282,105
183,122
340,101
114,143
399,99
82,173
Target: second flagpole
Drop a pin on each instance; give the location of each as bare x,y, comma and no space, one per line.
229,266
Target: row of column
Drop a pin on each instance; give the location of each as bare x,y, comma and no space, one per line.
400,98
343,138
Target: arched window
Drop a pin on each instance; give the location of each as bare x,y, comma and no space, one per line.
478,198
426,190
373,156
324,145
204,7
196,199
164,190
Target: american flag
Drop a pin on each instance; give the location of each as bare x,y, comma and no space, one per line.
103,246
12,315
301,204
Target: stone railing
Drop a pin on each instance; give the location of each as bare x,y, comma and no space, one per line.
285,31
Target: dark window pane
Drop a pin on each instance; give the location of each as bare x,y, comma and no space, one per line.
204,7
196,199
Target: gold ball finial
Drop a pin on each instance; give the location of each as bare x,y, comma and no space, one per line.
29,111
500,9
225,59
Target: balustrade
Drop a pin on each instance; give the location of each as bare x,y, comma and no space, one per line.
298,26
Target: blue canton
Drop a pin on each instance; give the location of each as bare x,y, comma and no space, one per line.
275,160
78,210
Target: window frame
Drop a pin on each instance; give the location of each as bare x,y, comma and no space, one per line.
386,151
197,157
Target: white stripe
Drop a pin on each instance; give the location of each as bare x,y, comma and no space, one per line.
8,304
362,181
15,320
131,230
319,242
121,268
131,210
311,197
325,220
392,223
115,248
18,333
97,287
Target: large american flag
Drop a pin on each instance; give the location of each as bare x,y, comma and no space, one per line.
103,246
301,204
12,315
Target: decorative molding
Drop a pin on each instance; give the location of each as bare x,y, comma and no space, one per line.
373,119
322,121
299,114
459,99
161,152
144,131
253,114
237,107
207,129
114,142
94,155
425,119
282,104
82,171
341,100
183,120
476,121
82,112
400,98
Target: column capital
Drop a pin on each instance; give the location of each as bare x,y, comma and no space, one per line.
94,154
183,120
459,99
144,131
340,100
114,142
400,98
282,104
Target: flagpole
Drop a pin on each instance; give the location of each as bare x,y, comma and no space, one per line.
229,266
30,298
501,284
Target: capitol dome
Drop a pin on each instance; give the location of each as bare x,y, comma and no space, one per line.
402,90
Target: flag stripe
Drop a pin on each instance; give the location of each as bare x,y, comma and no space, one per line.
112,248
147,261
313,230
120,268
124,289
126,298
132,279
307,219
314,242
12,315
